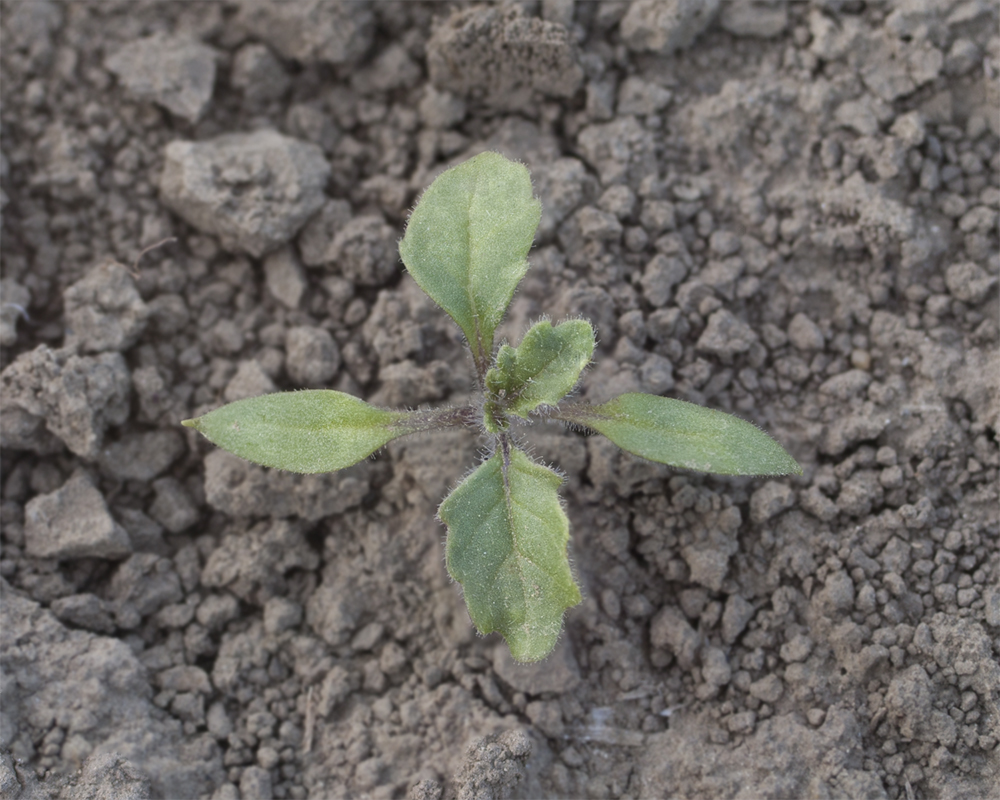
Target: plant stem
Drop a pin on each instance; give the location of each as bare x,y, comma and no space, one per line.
430,419
575,413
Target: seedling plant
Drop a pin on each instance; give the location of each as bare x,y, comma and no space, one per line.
466,246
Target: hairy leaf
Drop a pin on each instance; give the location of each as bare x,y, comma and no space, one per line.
544,368
317,430
467,240
507,536
685,435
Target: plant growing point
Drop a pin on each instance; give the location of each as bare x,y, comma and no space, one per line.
466,246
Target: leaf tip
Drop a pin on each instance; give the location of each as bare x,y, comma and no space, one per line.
782,463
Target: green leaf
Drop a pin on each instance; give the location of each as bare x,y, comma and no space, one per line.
507,536
685,435
318,430
467,241
544,368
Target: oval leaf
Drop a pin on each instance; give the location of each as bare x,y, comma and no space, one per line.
685,435
507,536
467,240
318,430
544,368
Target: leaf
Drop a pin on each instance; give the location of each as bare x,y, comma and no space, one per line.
318,430
467,241
685,435
507,536
544,368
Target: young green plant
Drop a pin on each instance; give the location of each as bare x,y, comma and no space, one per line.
466,245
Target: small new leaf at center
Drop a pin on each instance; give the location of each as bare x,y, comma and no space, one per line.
544,368
507,537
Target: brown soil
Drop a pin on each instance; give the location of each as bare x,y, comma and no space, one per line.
784,212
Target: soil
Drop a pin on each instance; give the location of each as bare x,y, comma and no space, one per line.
784,211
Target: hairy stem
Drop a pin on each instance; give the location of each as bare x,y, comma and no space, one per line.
575,413
431,419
